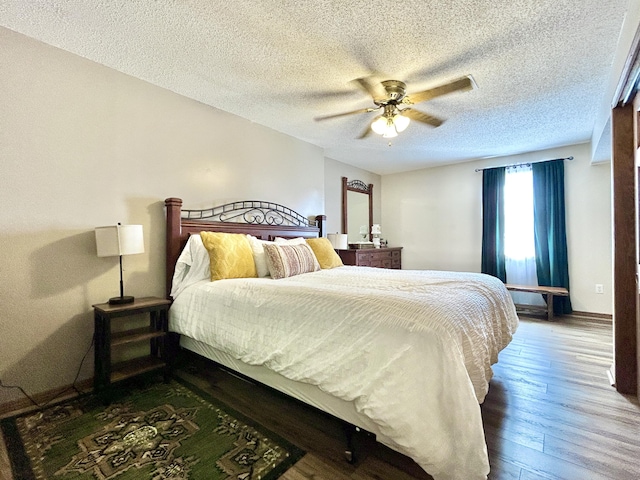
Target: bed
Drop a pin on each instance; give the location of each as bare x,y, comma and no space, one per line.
405,355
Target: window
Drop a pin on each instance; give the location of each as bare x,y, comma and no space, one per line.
524,239
518,213
519,245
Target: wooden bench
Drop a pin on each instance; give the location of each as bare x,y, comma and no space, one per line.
547,292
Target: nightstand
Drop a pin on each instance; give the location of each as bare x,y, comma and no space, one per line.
105,340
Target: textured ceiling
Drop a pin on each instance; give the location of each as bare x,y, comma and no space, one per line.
541,66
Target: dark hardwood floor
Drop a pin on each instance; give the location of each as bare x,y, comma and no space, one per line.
550,414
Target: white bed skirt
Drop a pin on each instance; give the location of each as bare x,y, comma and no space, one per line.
305,392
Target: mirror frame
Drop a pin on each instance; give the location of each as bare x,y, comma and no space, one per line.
360,187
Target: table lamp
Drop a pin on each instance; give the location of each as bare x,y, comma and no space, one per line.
375,233
119,240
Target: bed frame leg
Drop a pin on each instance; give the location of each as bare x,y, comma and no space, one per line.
349,456
172,350
350,432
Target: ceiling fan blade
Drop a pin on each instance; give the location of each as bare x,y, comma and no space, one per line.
461,84
372,87
366,132
421,117
344,114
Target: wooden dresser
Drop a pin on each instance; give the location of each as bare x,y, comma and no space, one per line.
387,257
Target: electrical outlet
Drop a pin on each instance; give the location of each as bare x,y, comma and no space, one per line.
599,288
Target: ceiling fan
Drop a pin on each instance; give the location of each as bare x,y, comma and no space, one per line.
391,96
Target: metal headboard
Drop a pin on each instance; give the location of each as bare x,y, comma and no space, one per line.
254,212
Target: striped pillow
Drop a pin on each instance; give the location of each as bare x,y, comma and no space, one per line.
289,260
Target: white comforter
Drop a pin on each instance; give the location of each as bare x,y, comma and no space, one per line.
411,349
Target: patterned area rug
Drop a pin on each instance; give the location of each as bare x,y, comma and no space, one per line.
157,432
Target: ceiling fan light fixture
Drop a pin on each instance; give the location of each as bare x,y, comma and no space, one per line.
385,127
379,125
389,124
391,131
401,122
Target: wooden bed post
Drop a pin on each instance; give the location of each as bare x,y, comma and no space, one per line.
320,219
174,229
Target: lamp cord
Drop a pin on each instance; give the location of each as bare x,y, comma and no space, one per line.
72,387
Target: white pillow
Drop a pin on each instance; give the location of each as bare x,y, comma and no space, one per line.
193,265
290,241
259,257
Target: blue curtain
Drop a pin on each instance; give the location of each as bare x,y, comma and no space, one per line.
550,234
493,262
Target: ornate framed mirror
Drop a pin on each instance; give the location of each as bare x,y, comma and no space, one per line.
357,210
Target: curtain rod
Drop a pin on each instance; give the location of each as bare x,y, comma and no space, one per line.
523,164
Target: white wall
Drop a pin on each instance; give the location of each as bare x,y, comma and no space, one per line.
436,215
601,137
81,146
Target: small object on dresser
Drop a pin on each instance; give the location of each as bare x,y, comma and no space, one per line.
375,233
363,232
359,245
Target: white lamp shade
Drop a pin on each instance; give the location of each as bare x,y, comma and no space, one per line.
379,125
391,131
119,240
389,126
401,122
338,240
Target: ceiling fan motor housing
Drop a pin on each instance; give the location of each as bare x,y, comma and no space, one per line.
396,90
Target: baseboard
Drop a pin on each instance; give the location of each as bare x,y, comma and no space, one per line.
541,312
55,395
605,317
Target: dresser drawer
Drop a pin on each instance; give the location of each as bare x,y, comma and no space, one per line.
364,260
396,259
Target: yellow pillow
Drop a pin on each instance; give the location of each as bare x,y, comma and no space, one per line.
324,252
230,255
